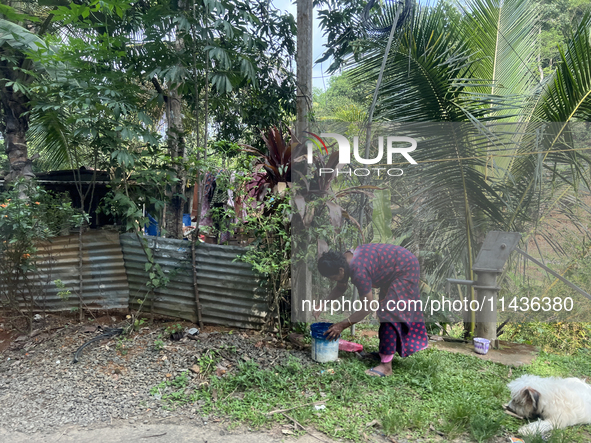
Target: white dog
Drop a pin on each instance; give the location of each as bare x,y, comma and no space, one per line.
555,402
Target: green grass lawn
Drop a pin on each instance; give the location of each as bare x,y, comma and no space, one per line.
433,395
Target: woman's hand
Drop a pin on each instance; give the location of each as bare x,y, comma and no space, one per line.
335,330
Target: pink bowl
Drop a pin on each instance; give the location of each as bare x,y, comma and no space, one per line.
350,346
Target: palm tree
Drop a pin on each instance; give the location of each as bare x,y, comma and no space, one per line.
19,36
475,68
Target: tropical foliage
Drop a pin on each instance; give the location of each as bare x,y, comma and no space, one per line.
97,83
504,152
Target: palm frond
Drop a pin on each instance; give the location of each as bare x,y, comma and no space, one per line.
502,35
49,135
567,94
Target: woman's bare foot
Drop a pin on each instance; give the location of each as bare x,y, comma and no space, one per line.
381,370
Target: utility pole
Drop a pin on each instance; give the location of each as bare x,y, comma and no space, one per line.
301,276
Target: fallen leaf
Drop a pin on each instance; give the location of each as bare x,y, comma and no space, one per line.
372,423
196,369
287,432
258,344
168,375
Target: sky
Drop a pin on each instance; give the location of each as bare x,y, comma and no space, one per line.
318,41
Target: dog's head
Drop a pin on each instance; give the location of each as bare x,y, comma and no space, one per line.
526,403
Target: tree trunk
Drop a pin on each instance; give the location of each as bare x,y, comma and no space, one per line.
176,147
305,12
301,275
14,129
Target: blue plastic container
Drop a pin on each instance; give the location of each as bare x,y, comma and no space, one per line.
323,350
152,228
187,219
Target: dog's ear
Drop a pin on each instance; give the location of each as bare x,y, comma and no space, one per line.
530,398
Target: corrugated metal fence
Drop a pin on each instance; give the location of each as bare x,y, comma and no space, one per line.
114,277
229,292
103,273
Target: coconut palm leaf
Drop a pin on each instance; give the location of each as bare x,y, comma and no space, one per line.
502,34
422,76
563,100
431,78
49,135
566,97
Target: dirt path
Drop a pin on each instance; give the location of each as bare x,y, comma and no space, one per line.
154,433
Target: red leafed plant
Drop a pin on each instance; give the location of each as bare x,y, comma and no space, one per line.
277,161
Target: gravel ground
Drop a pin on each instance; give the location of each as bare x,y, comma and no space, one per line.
42,390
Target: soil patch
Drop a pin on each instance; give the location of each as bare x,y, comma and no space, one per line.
509,354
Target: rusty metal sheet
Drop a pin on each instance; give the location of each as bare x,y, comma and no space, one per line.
103,273
230,293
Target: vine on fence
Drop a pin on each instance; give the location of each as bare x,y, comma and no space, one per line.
24,223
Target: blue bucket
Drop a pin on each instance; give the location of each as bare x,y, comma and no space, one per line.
187,219
323,350
317,330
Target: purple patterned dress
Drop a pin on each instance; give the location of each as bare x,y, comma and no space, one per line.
395,271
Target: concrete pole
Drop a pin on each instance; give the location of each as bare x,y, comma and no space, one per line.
301,276
486,317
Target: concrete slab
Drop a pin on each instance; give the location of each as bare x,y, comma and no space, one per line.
508,354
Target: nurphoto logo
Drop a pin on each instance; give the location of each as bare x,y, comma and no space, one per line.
394,145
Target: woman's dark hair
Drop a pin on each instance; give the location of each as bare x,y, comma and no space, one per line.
330,262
